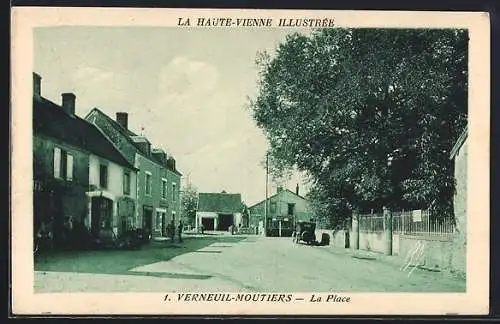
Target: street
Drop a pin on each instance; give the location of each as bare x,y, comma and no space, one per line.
233,264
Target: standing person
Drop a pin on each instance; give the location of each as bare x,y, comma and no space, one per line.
44,238
172,231
169,230
179,229
68,233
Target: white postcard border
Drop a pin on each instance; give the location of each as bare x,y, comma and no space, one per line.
24,301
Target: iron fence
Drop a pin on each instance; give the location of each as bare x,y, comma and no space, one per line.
413,223
371,223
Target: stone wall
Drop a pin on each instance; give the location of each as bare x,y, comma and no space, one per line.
440,253
459,250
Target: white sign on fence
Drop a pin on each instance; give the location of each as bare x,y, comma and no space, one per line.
417,215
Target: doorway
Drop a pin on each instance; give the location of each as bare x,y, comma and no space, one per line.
225,220
147,221
208,223
102,214
163,222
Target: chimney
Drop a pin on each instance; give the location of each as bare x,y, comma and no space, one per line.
171,163
122,119
160,155
68,103
279,189
37,85
297,189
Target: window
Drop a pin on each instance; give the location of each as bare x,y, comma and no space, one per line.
164,185
273,207
63,164
69,167
291,209
57,162
173,191
126,183
149,183
103,176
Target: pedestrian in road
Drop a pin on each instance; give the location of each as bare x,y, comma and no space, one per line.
179,229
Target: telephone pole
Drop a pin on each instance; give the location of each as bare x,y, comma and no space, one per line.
265,201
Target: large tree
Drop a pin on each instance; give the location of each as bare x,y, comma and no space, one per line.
370,114
245,214
189,203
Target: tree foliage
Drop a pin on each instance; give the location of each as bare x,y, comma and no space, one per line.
189,203
245,214
370,115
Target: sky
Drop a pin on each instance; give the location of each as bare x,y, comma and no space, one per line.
185,89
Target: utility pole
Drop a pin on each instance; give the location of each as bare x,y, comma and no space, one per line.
265,201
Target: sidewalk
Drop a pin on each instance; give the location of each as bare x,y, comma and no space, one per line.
393,260
189,234
397,261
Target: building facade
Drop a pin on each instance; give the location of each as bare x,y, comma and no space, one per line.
77,172
158,180
168,184
111,198
285,208
218,211
459,156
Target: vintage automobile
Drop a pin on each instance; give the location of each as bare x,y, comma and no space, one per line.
133,238
305,232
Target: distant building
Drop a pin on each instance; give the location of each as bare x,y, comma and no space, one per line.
285,207
218,211
158,180
79,176
459,157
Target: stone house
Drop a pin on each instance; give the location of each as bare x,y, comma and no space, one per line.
79,176
218,211
459,157
285,207
169,182
158,180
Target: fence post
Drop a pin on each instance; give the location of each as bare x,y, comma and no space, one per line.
388,230
355,229
402,221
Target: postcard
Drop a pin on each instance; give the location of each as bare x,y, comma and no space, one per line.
249,162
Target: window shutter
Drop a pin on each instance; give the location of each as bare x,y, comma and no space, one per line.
69,168
57,162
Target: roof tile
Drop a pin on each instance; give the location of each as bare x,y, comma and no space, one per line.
51,120
219,202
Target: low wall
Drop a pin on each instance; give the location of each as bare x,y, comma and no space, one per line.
441,253
458,252
337,239
448,254
372,241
